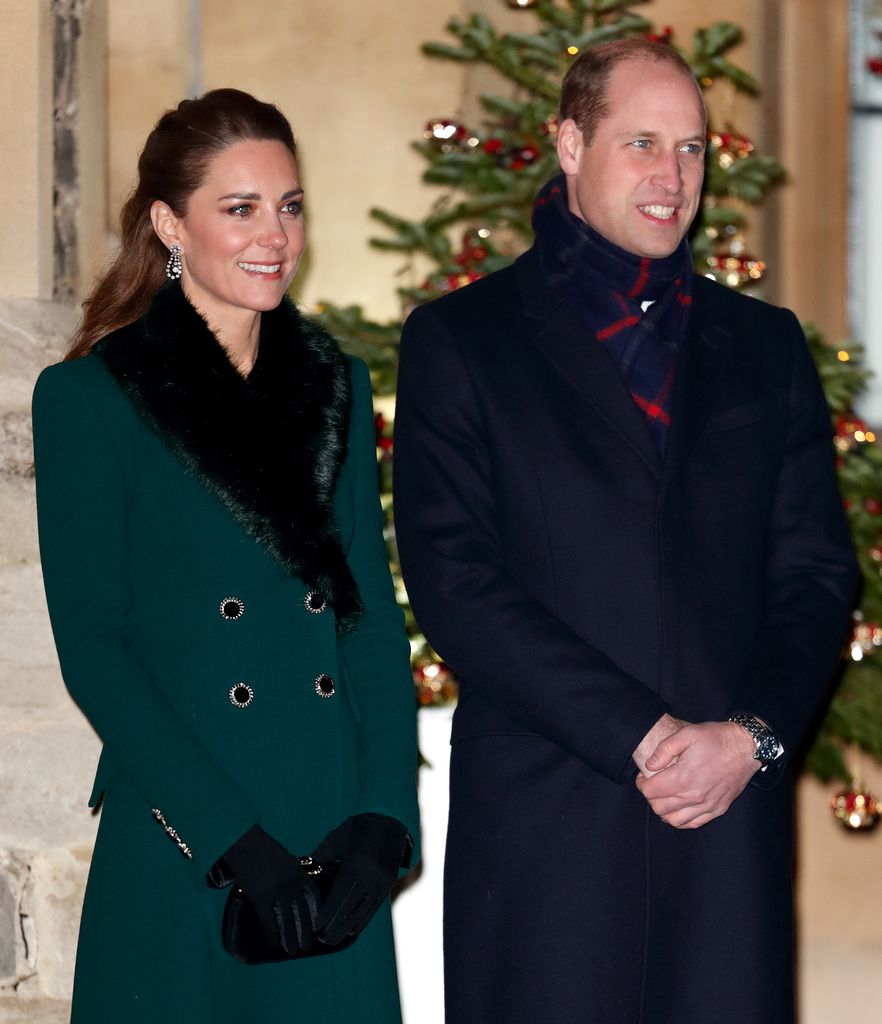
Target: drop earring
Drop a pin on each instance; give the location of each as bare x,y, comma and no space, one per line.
174,268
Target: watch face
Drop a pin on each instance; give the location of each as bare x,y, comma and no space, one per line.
766,748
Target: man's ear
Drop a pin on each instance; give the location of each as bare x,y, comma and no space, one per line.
570,144
165,224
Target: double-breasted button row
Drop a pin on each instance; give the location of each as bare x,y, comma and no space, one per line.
233,608
241,695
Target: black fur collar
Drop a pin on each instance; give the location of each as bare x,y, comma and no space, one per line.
270,447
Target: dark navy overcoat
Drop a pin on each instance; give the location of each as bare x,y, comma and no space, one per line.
580,587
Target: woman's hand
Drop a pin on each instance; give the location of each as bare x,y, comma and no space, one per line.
370,848
283,896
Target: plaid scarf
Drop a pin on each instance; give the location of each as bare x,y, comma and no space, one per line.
606,286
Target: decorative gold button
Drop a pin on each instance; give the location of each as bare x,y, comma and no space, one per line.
315,602
241,695
324,685
232,608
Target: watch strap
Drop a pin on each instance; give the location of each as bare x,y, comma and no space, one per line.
767,746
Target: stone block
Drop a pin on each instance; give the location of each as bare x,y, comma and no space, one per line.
39,1011
17,962
18,514
33,333
58,880
8,929
41,896
46,774
26,646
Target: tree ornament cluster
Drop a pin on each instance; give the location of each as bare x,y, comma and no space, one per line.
434,682
488,175
856,808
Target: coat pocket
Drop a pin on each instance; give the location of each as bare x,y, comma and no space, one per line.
107,767
740,415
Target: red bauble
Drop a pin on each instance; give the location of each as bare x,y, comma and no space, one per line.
873,506
874,64
518,164
494,146
856,808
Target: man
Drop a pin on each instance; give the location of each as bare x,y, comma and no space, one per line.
618,522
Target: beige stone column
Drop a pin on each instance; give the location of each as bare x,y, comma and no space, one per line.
26,153
150,58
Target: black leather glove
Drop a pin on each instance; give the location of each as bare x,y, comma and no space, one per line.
370,848
283,896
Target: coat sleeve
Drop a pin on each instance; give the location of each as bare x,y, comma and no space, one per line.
811,573
501,642
82,497
377,653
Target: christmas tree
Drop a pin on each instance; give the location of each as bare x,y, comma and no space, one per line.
490,174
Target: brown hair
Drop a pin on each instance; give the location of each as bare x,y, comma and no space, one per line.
584,90
171,167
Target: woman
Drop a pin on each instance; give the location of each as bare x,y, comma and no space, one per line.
217,582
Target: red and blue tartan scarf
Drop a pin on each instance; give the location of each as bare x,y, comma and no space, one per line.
606,286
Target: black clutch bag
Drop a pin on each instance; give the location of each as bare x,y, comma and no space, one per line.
241,934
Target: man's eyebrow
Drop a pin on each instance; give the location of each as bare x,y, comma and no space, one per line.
697,137
254,196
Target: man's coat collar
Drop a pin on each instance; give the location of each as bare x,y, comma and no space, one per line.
563,338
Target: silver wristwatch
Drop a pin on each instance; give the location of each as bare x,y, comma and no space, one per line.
768,746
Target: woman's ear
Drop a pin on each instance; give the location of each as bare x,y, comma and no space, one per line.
165,224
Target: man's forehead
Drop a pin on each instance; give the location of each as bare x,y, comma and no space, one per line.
654,87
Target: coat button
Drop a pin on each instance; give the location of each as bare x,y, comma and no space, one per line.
232,608
324,685
241,695
315,602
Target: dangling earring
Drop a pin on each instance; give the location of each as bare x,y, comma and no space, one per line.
174,268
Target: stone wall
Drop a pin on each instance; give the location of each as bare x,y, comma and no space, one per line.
48,751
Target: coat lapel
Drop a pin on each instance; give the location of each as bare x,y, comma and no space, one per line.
563,340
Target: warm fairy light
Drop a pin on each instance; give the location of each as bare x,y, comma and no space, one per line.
871,437
572,50
843,356
859,435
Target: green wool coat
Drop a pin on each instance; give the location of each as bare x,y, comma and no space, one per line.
185,515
